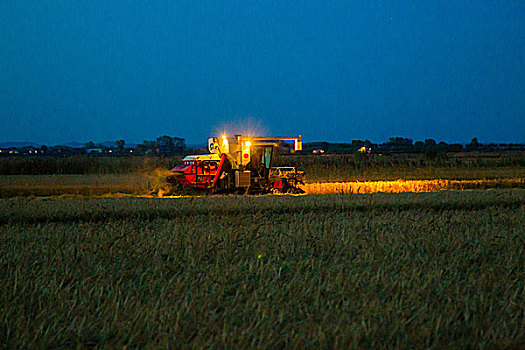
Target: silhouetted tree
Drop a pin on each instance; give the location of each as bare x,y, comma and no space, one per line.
120,145
474,144
171,145
400,144
430,142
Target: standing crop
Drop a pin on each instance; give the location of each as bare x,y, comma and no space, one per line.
404,270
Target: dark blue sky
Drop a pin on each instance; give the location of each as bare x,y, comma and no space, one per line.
335,71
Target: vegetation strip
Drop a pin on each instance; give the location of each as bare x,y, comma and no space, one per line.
104,209
154,183
428,270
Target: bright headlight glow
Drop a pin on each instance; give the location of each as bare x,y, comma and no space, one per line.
224,140
248,143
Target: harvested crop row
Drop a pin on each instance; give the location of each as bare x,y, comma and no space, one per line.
410,186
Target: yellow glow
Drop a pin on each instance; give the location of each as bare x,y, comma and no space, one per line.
248,143
224,137
399,186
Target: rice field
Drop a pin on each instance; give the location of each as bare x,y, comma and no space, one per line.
364,260
405,270
153,184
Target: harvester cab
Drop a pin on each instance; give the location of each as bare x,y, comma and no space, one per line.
239,164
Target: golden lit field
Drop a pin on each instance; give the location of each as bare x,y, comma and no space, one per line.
142,184
342,174
410,186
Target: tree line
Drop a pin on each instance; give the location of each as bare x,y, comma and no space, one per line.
406,145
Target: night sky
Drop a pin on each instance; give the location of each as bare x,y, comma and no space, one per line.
329,70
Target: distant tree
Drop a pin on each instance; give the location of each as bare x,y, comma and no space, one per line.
120,145
180,145
43,149
400,144
474,144
90,144
430,142
357,144
400,141
171,145
166,144
148,146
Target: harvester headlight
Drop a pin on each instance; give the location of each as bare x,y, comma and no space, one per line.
225,146
248,143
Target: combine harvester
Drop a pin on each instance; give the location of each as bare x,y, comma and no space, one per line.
238,164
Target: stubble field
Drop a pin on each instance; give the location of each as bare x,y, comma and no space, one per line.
427,270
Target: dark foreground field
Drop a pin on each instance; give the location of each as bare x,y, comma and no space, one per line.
332,271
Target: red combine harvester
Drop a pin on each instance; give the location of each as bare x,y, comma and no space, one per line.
239,164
